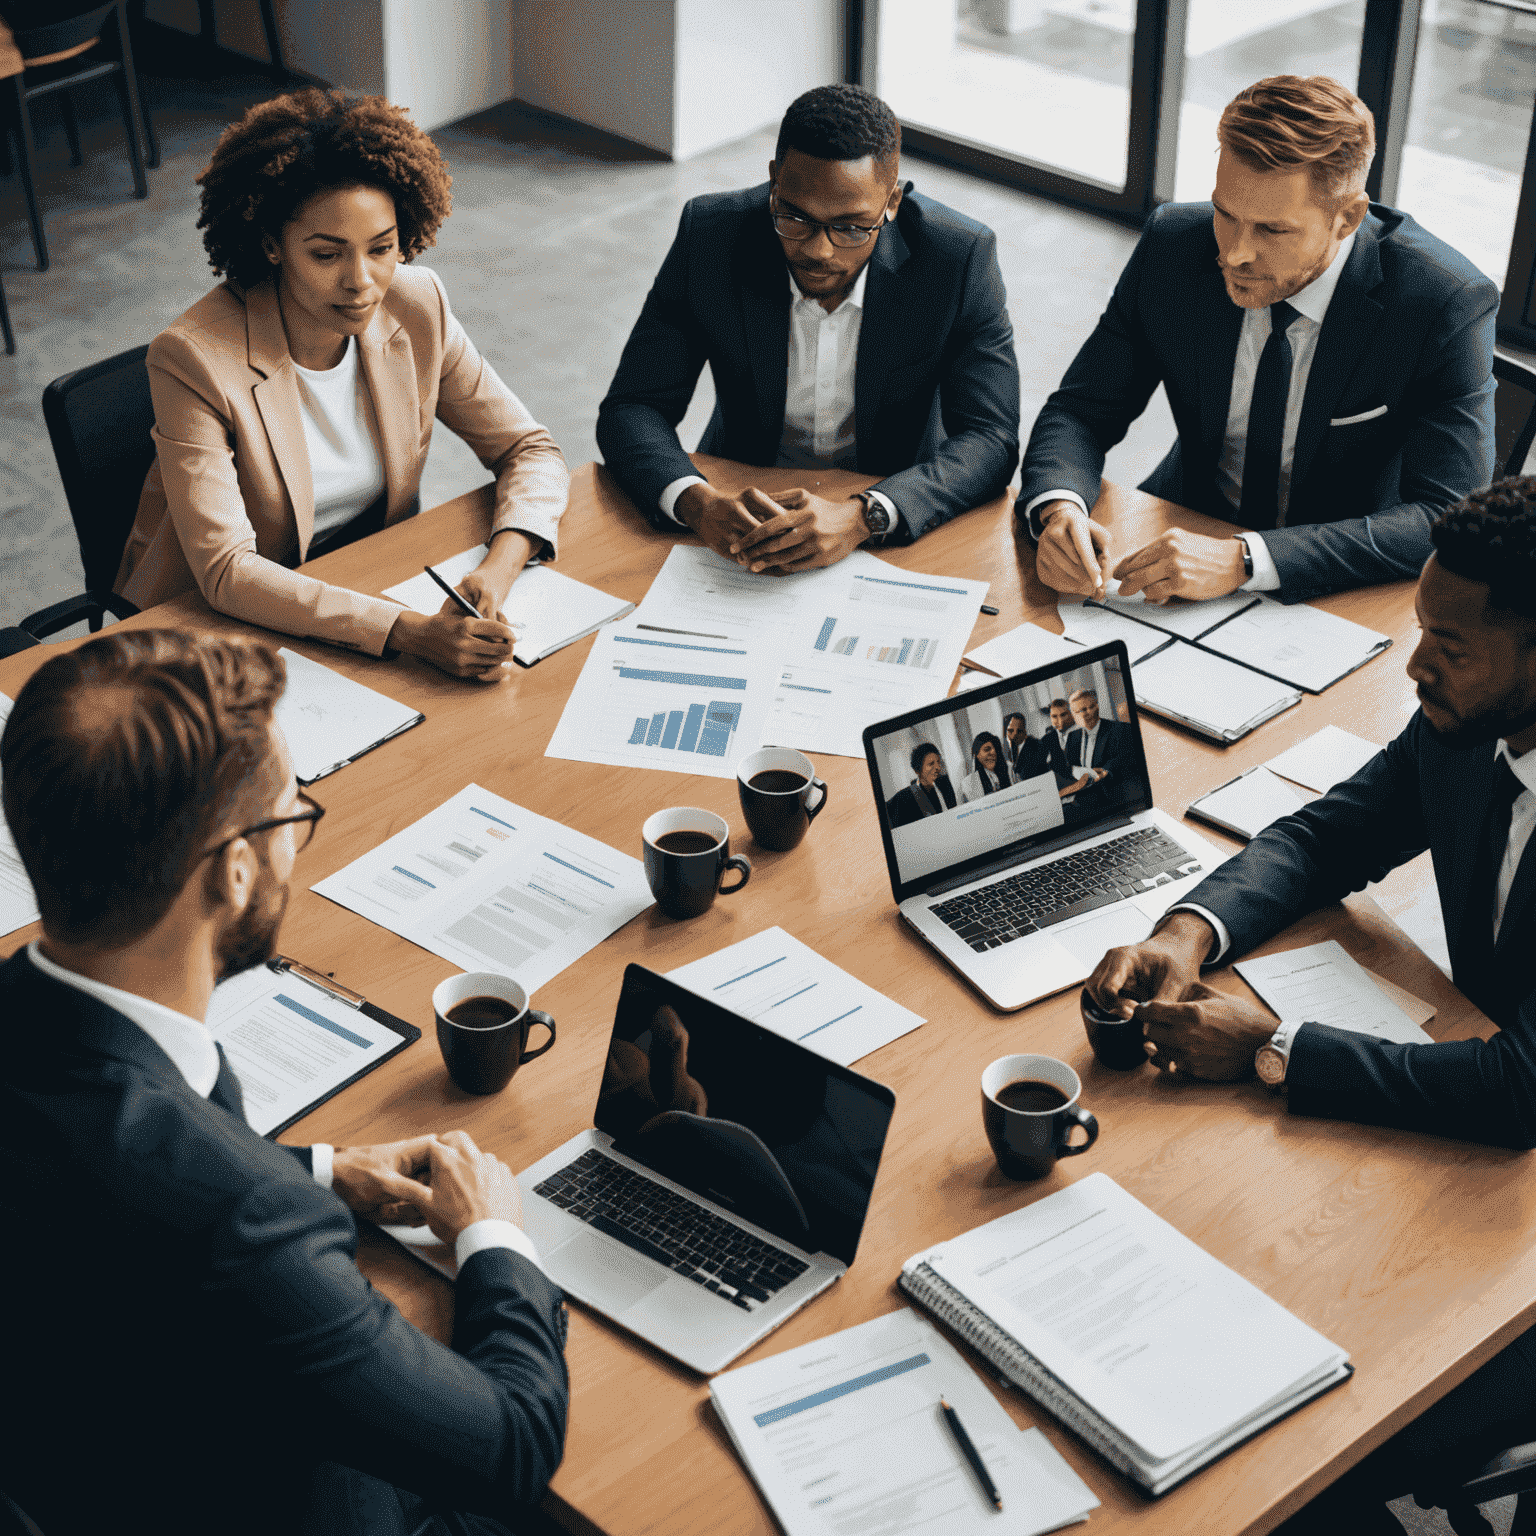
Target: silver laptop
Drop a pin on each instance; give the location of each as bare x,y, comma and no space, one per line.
1022,849
724,1183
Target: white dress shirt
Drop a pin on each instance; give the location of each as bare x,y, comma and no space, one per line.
1522,821
1312,302
341,435
190,1046
818,430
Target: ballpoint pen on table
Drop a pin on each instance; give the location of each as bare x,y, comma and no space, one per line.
978,1466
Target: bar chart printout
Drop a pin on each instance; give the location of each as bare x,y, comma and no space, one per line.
650,697
493,887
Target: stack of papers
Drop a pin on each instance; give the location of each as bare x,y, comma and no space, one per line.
552,610
1093,625
1324,984
846,1435
1244,806
1327,757
18,901
1307,647
1189,621
1215,698
784,985
331,721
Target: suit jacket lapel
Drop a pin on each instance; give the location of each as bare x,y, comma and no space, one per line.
763,285
388,368
277,398
886,298
1352,318
226,1088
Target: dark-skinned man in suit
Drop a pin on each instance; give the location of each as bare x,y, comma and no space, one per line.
1328,363
1460,781
848,322
200,1351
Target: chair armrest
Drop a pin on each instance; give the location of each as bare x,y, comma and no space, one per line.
13,640
74,610
1511,1471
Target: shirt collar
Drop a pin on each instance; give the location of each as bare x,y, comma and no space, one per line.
1523,767
1314,299
855,299
184,1039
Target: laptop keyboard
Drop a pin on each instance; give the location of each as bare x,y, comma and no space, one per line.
672,1229
1035,899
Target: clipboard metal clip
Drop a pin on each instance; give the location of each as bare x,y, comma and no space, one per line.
334,989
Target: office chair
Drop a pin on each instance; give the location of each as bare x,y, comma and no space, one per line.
1511,1471
98,421
68,43
1514,413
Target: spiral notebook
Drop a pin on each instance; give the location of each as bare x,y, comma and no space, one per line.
1152,1351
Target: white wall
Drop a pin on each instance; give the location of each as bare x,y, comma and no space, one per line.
610,63
741,62
444,59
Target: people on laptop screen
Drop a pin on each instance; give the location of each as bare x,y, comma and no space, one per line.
242,1371
848,322
294,403
1098,752
1328,363
990,770
1461,781
929,794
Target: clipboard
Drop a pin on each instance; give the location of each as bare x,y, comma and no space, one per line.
282,965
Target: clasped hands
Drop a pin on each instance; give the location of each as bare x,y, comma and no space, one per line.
777,532
1191,1029
1073,556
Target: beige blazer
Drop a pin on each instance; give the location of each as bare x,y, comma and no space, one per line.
228,505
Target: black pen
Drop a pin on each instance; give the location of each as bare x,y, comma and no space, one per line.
458,597
989,610
978,1466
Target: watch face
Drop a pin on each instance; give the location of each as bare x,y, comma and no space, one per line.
1270,1065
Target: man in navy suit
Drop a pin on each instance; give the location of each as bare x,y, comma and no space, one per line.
1461,782
1100,754
194,1345
1328,364
848,322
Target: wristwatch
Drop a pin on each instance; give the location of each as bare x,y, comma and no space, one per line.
876,518
1247,558
1272,1058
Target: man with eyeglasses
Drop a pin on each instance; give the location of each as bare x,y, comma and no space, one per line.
193,1341
848,322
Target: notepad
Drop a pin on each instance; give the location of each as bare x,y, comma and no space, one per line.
1098,626
1157,1354
844,1435
331,721
1244,806
1325,984
1187,620
1214,697
1307,647
1019,650
554,611
1325,758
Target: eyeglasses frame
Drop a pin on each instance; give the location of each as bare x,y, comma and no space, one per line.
813,226
312,813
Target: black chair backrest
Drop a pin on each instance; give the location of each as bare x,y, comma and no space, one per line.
40,31
99,420
1514,413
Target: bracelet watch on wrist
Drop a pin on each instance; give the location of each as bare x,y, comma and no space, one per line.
1247,558
1273,1058
876,519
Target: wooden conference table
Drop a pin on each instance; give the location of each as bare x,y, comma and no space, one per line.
1417,1255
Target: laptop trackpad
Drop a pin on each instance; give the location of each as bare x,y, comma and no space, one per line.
604,1272
1087,940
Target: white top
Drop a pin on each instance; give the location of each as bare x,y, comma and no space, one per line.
343,441
189,1044
1312,302
972,789
818,430
1089,742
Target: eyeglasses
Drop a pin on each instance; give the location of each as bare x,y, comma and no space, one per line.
308,818
793,227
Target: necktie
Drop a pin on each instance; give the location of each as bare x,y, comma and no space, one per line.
1266,423
1507,788
226,1089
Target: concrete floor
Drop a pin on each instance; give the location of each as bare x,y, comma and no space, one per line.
552,246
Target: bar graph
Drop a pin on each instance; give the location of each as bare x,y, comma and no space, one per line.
907,651
706,729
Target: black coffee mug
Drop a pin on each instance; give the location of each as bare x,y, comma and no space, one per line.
488,1042
1029,1108
1116,1042
687,856
785,799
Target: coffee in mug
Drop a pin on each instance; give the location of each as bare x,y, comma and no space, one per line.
687,856
483,1021
780,796
1029,1108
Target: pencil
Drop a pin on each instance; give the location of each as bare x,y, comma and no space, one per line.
978,1466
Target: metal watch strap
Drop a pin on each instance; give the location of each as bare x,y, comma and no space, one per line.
1247,558
876,519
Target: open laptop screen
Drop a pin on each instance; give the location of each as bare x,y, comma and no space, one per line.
1019,764
759,1124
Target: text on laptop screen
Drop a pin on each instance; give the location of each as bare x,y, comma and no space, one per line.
760,1125
990,771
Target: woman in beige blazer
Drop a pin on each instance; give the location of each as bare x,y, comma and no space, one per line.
321,361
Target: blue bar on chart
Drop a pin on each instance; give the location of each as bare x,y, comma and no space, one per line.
721,720
827,626
844,647
637,736
906,650
674,725
706,729
690,736
681,679
658,721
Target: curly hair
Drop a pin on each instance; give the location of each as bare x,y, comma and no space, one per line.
1490,537
840,122
285,150
1296,122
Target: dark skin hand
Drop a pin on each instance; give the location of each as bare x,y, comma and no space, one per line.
1164,968
1208,1035
721,521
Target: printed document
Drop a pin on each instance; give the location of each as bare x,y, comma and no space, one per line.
687,703
1216,697
1020,650
330,720
1249,803
492,887
845,1435
784,985
1098,626
1325,984
18,901
1327,757
552,611
289,1043
1176,617
1307,647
